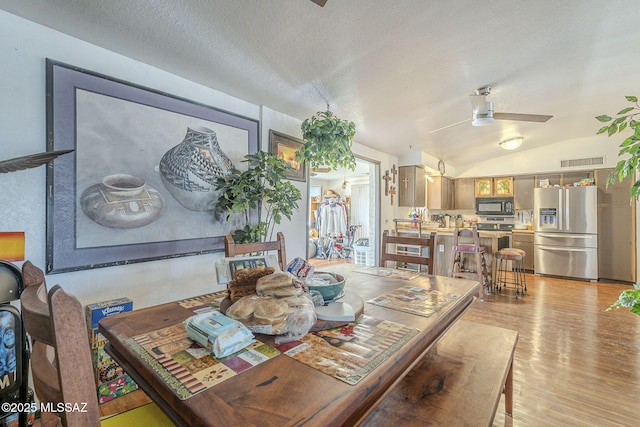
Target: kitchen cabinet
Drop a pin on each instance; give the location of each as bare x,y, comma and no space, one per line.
412,186
524,240
523,191
616,229
464,196
494,187
441,193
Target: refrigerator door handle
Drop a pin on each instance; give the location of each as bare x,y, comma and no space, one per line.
565,209
560,213
563,235
564,249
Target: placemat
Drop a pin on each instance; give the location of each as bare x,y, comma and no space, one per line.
187,367
350,352
204,303
390,272
414,300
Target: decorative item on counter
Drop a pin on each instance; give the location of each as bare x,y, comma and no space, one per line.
386,178
218,333
122,201
459,221
416,215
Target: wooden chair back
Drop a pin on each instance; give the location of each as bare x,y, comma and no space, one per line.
73,355
37,323
428,241
466,240
232,249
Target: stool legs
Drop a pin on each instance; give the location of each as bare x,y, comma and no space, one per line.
518,276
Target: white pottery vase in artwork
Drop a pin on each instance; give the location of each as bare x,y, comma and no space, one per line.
122,201
189,169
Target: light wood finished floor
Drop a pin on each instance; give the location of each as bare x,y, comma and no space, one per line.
575,364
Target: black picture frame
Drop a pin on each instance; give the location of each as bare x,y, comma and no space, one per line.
285,147
117,127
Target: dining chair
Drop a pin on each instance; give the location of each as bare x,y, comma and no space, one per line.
232,249
428,242
60,374
467,242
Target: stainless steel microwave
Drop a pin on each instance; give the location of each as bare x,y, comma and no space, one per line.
495,206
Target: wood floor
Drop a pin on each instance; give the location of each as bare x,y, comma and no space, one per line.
575,364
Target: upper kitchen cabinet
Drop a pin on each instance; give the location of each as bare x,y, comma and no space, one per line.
412,186
464,193
523,191
440,195
494,187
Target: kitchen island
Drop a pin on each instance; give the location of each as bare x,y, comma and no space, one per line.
492,241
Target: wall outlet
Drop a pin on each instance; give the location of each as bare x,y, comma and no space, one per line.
440,248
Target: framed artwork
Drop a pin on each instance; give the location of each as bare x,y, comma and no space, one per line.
285,147
139,184
503,186
484,187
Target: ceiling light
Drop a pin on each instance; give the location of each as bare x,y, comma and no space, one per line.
512,144
482,121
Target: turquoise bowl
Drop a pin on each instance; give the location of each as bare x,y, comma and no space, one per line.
331,291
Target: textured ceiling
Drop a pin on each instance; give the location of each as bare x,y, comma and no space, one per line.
398,69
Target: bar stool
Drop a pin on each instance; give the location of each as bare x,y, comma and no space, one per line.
513,259
467,242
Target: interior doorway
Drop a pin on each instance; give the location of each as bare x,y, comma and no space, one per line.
344,213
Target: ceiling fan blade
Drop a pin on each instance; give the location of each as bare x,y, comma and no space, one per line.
449,126
320,3
539,118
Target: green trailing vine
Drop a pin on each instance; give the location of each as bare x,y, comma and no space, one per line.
328,142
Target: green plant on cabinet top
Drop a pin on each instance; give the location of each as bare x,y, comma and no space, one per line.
328,141
263,185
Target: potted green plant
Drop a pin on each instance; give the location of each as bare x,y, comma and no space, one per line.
626,168
328,141
628,298
625,119
263,185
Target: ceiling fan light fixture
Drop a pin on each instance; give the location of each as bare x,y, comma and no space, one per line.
512,144
482,121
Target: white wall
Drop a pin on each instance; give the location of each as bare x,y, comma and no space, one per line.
23,48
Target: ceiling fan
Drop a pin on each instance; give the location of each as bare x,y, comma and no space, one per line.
482,112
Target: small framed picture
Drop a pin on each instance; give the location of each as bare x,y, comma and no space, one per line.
226,267
286,147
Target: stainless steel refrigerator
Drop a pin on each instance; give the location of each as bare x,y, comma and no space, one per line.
566,232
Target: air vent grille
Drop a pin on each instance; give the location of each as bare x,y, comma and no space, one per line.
591,161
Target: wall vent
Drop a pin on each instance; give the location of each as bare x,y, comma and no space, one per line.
591,161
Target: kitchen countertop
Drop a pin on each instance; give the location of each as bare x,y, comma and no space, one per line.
523,231
490,234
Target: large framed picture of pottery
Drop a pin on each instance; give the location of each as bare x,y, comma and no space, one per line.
286,147
139,184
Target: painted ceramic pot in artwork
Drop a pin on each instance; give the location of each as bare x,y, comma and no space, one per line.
189,169
122,201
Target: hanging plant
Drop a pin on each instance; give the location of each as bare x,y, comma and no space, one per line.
626,168
327,142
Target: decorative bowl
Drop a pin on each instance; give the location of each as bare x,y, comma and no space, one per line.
329,291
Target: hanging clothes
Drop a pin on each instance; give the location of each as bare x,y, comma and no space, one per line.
333,218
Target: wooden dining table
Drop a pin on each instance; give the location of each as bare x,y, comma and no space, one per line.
284,391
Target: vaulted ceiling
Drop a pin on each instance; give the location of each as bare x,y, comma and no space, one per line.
398,69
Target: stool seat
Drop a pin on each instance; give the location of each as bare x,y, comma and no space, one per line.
471,249
510,254
513,259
